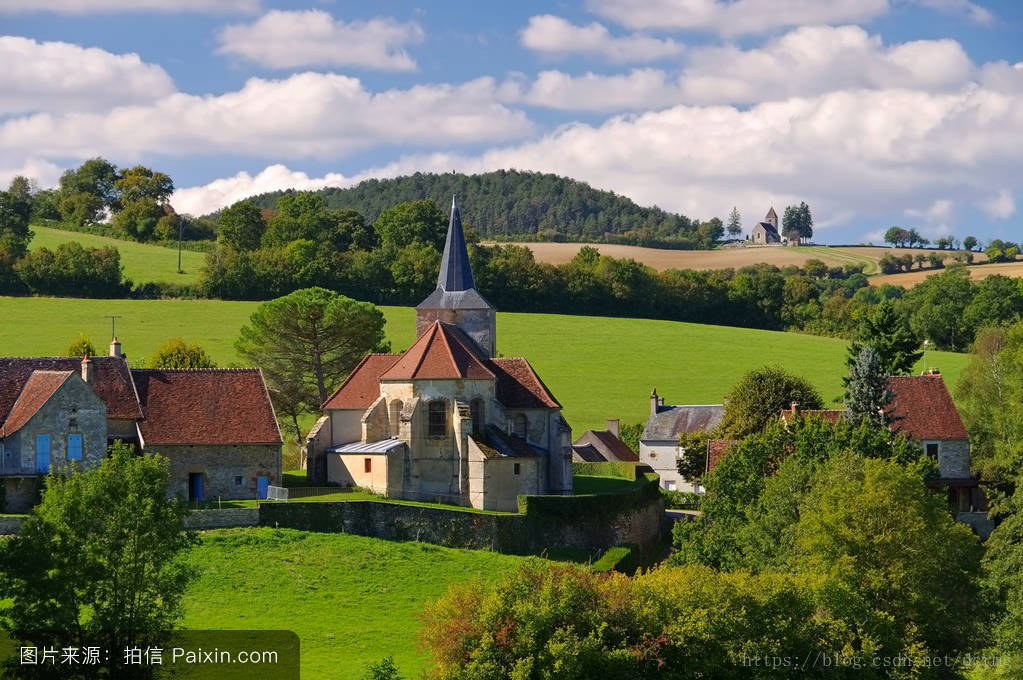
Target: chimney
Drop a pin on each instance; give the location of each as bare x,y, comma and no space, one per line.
653,402
795,408
115,347
612,426
87,369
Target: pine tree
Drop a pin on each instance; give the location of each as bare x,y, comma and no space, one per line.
889,334
734,223
867,390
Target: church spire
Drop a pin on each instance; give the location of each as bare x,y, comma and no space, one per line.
455,270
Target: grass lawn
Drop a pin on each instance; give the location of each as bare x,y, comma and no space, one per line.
142,262
584,484
597,367
351,600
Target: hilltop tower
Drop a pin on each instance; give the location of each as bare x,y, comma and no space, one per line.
456,300
772,218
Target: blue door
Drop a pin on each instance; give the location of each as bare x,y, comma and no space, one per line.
195,486
262,483
74,447
42,453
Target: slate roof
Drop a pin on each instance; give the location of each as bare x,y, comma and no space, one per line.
362,386
510,445
456,288
588,453
611,448
205,406
769,228
443,351
38,389
923,408
671,421
771,213
111,381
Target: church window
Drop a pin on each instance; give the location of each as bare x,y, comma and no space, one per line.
396,407
520,425
438,418
518,468
477,416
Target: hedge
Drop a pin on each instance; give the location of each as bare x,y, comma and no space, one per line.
621,469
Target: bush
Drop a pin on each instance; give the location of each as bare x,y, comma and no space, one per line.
681,500
73,271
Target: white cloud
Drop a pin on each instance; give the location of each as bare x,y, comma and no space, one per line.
44,173
939,211
221,193
848,154
970,10
1000,206
91,6
552,34
738,17
305,115
283,39
57,77
807,61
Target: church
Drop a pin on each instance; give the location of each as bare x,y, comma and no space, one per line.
447,420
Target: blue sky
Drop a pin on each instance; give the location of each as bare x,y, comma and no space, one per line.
875,112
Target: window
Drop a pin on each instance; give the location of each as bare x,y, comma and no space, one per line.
74,447
368,462
396,407
520,425
932,451
669,484
238,480
518,468
477,416
438,418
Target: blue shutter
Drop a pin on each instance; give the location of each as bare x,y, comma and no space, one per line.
74,447
42,453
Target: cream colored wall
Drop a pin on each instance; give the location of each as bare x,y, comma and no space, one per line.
349,470
345,426
502,487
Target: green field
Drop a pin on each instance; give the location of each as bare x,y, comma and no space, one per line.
597,367
142,262
351,600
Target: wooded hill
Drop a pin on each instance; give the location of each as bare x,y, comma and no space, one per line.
509,204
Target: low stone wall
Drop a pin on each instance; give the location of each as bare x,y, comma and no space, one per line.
222,519
978,521
11,524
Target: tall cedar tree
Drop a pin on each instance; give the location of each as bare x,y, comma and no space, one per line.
888,333
734,223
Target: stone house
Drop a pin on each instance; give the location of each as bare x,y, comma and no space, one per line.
446,420
597,446
212,425
659,444
766,233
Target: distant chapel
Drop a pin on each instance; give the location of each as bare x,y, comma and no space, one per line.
446,420
766,233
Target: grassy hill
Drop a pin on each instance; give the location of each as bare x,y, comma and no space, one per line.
351,600
597,367
142,262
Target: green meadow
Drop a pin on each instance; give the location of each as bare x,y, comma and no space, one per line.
597,367
351,600
142,262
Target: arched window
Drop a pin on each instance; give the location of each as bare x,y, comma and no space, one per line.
395,416
520,425
477,416
438,418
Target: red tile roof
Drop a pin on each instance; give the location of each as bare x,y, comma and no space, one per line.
443,351
518,385
588,453
716,450
213,406
111,381
831,415
610,447
38,389
362,386
923,408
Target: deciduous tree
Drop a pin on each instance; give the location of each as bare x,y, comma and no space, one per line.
81,346
760,396
241,226
176,353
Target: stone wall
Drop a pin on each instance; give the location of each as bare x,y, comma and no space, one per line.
21,493
11,524
953,457
228,471
222,519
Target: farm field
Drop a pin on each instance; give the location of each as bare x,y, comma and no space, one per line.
142,262
660,259
598,367
352,600
910,279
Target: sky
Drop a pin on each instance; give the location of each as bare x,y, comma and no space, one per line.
875,112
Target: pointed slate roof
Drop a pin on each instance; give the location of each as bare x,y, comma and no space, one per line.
771,213
456,287
443,351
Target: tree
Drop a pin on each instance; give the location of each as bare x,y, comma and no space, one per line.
897,236
139,219
308,341
87,190
797,220
385,669
970,242
81,346
888,332
734,223
176,353
100,558
939,304
413,221
760,396
241,226
15,212
867,392
630,434
138,183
